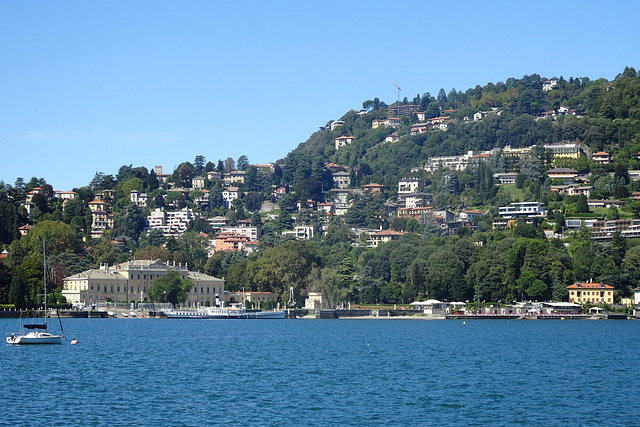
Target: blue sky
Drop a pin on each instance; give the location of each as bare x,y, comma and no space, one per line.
90,86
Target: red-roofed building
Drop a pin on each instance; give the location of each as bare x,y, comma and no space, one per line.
25,229
373,188
601,158
593,293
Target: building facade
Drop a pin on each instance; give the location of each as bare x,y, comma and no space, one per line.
130,282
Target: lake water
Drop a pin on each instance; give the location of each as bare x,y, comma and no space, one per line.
325,373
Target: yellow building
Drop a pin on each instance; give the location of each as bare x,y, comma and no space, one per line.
593,293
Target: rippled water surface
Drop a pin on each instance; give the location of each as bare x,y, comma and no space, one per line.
326,372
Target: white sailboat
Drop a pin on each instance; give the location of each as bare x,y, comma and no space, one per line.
36,333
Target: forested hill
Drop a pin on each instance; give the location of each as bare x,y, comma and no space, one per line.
607,117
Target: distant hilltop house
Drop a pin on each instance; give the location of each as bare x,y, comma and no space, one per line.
162,177
549,84
234,177
336,123
343,141
65,195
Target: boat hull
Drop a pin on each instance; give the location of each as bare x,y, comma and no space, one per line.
35,338
223,314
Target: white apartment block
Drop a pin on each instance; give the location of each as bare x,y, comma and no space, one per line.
522,210
171,223
252,233
409,185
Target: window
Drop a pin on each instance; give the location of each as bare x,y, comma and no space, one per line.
111,288
207,289
118,288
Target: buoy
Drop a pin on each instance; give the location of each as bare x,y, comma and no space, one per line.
464,323
74,341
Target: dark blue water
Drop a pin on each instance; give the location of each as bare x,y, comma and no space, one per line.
326,372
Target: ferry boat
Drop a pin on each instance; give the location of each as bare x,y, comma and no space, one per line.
234,311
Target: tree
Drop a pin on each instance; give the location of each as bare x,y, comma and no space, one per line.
242,163
283,267
229,164
170,288
581,205
198,165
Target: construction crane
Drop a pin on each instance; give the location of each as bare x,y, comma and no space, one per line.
398,87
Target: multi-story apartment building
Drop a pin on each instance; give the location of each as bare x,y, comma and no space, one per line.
170,223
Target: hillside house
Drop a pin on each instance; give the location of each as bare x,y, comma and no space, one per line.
253,233
336,124
605,229
402,110
505,178
549,84
383,236
170,223
601,158
572,151
472,216
234,177
414,200
341,180
162,177
214,176
522,210
373,188
393,137
419,128
138,198
567,175
65,195
197,183
343,141
229,194
409,185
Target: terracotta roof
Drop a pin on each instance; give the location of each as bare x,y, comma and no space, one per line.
600,153
387,233
589,286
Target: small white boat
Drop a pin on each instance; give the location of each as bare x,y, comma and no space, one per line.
132,314
36,333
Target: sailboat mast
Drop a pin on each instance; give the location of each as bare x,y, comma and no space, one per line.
44,268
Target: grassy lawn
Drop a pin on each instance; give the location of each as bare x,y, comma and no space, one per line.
512,190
